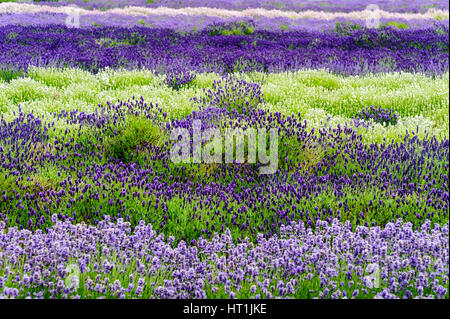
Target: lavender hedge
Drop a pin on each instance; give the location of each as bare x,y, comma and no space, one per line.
111,261
357,52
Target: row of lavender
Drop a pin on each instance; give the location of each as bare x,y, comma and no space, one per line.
228,48
139,178
108,261
291,5
184,23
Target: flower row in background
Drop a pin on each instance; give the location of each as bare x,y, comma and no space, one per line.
188,23
285,5
227,48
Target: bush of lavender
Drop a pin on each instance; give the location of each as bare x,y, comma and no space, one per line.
378,115
7,74
232,93
177,78
137,133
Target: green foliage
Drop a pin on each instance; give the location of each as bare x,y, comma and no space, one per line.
238,28
142,22
346,28
12,35
48,178
7,74
394,24
138,132
135,39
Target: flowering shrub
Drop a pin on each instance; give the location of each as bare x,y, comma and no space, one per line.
232,93
177,78
378,115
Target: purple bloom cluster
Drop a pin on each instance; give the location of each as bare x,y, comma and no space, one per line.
110,260
231,93
109,116
378,115
364,50
177,77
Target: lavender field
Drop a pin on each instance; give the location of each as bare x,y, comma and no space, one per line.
224,149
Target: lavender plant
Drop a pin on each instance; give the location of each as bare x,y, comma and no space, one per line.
231,94
378,115
177,78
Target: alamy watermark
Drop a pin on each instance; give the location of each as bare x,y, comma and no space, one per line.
213,145
73,17
73,276
373,21
373,275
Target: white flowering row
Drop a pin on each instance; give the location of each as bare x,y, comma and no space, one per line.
9,7
320,97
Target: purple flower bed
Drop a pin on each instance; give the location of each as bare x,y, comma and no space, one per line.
359,52
111,261
326,174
